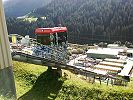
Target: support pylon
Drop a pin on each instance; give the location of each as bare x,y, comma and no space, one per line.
7,86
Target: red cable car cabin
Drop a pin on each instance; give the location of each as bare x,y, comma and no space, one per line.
52,36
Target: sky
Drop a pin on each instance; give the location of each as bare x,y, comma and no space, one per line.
4,0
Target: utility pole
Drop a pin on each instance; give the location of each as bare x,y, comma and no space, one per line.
7,86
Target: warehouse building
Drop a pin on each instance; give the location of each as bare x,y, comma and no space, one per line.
103,53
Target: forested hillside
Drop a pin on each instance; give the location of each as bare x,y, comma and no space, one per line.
16,8
89,20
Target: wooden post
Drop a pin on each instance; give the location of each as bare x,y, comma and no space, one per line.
121,82
59,71
100,80
125,83
86,75
49,68
112,82
7,86
94,79
89,79
108,81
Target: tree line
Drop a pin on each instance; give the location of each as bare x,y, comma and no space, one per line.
88,21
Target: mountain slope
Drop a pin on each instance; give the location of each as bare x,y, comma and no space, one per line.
15,8
92,20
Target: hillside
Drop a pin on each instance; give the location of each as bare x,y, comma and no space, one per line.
92,20
88,21
16,8
35,82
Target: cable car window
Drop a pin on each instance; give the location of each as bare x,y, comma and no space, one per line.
44,39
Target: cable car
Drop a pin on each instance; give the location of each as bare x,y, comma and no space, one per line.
56,36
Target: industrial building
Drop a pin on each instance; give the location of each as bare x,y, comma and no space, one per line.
103,53
112,53
114,61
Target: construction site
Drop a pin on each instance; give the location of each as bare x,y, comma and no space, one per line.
111,65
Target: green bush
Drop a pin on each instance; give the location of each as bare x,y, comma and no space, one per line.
71,92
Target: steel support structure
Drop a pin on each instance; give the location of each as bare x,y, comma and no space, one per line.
7,86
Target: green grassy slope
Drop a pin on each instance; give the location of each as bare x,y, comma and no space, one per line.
26,75
35,82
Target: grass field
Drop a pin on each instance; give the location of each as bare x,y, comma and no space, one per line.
35,82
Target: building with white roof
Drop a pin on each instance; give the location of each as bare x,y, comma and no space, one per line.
127,68
115,60
103,53
106,63
108,68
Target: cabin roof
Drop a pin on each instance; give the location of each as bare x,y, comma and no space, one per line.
50,30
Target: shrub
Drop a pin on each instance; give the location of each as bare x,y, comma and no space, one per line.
72,92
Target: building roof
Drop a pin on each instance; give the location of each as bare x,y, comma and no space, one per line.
103,72
113,45
127,68
107,51
50,30
111,64
130,50
17,35
107,67
115,60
